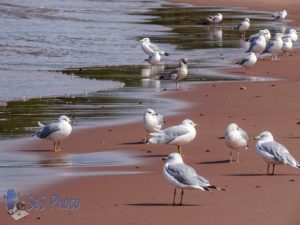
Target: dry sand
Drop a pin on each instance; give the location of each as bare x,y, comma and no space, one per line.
251,197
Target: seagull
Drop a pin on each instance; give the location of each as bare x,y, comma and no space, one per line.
154,59
258,45
273,152
274,46
287,45
248,61
279,16
179,73
243,26
150,48
236,138
175,135
212,19
153,122
55,131
180,175
293,34
266,33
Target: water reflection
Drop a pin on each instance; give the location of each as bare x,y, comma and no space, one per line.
26,170
215,34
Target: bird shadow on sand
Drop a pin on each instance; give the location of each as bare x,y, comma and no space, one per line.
134,143
38,150
215,162
294,137
159,205
259,174
153,156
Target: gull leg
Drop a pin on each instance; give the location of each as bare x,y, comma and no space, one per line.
237,158
58,146
230,156
174,197
55,146
179,150
181,196
273,170
268,169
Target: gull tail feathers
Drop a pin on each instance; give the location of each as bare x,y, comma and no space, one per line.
40,124
217,188
157,138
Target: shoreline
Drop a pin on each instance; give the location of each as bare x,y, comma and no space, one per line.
270,105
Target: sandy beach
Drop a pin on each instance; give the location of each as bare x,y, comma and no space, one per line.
251,197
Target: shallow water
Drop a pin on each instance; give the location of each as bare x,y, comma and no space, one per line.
87,35
28,171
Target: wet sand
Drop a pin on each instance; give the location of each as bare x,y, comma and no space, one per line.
251,197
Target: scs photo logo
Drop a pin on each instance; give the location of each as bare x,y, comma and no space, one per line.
54,201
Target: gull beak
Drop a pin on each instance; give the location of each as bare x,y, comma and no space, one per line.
196,125
257,137
164,159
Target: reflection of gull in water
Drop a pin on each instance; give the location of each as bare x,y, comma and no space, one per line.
55,131
179,73
215,34
236,138
279,16
272,152
152,72
248,61
175,135
150,48
212,19
180,175
151,83
274,46
243,26
293,34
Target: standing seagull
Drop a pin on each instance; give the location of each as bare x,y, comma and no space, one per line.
150,48
293,34
154,59
266,33
243,26
212,19
55,131
236,138
153,122
258,45
248,61
272,152
178,74
274,46
279,16
180,175
287,45
175,135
